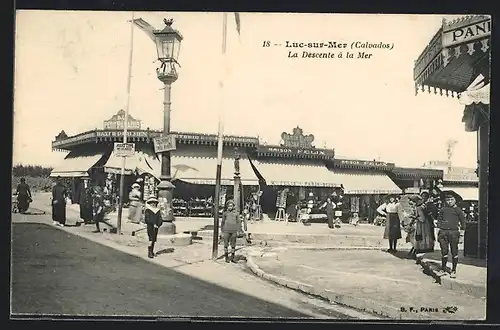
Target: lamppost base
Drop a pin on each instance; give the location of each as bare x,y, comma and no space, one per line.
168,228
165,193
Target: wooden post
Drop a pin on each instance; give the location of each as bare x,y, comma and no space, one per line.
483,160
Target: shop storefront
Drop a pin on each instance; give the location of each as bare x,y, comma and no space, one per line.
91,157
457,63
365,184
294,172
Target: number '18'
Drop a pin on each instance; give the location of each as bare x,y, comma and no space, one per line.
266,43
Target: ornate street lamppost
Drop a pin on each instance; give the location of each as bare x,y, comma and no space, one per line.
168,43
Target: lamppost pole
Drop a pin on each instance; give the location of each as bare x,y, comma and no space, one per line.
168,43
165,188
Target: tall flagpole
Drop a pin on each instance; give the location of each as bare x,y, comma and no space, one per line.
125,126
220,141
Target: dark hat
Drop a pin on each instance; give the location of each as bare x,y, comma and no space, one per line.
425,193
451,193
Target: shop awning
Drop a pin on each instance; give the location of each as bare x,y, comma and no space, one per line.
467,193
296,174
141,162
75,165
202,170
365,183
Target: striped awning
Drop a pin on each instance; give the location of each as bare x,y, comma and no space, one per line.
361,183
202,170
75,165
141,162
295,173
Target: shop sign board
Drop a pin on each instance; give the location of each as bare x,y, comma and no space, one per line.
302,184
164,143
213,138
296,151
362,163
297,139
73,139
118,122
111,133
124,149
470,31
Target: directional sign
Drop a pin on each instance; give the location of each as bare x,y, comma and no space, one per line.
124,149
164,143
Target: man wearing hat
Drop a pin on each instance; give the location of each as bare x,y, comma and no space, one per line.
153,219
451,221
230,225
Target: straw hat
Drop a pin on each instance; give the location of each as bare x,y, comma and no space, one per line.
136,185
152,200
230,202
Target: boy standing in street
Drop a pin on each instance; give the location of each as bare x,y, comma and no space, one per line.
230,225
451,223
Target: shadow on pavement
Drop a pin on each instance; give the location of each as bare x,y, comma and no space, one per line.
55,272
436,255
33,212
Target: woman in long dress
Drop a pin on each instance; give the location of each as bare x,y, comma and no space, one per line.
135,207
421,233
59,195
392,232
23,196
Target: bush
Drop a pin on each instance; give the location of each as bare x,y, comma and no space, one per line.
34,171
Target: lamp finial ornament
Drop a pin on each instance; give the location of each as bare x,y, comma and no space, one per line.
168,22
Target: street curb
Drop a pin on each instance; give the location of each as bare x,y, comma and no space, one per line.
467,287
365,305
314,239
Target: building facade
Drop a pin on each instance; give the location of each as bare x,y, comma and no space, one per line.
272,176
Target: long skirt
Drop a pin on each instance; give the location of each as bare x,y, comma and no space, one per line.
423,240
392,227
23,202
59,212
135,212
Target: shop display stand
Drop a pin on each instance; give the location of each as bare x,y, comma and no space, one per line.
280,214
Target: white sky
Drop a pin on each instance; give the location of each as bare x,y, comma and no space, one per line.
71,74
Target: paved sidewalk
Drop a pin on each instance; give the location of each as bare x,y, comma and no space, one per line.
373,281
195,261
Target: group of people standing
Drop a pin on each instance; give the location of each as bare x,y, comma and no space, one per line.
420,224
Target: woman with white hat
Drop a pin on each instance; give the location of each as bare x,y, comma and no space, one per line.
135,206
153,219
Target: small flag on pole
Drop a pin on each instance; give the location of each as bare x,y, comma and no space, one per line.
238,22
145,27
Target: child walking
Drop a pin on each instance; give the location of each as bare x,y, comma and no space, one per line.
153,219
230,225
451,223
